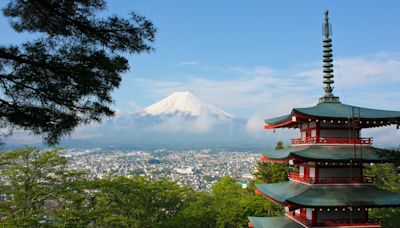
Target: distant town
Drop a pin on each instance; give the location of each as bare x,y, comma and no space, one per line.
198,169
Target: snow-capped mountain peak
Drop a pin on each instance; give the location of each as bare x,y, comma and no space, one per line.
184,104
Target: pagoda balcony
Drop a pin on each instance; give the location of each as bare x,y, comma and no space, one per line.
331,180
370,222
332,140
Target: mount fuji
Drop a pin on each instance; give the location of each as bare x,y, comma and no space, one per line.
185,104
179,120
181,112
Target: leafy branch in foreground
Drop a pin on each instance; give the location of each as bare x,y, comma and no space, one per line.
65,76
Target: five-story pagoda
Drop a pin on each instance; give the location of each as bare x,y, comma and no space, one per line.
329,189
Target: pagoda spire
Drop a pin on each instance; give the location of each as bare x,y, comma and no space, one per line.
328,71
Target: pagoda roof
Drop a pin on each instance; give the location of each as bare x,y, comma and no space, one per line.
332,110
328,153
267,222
329,195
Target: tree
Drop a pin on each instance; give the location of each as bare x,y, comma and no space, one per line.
272,172
387,177
226,194
279,145
65,76
137,201
392,156
39,191
232,204
256,205
200,212
35,187
268,172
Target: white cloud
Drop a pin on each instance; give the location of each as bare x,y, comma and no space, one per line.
384,136
252,88
133,108
358,72
279,107
199,125
369,81
81,135
188,63
23,137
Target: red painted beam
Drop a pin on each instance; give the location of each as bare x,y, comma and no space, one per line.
266,159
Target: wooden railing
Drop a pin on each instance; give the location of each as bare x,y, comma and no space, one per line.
332,140
331,180
369,222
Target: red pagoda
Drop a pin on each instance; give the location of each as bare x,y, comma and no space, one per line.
329,189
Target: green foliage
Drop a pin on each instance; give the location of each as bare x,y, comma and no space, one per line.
199,213
271,172
39,191
393,156
137,201
268,172
390,217
33,182
387,177
228,205
279,145
256,205
65,76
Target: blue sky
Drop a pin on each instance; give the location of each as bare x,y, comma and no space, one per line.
260,58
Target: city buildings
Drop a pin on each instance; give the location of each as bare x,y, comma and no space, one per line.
198,169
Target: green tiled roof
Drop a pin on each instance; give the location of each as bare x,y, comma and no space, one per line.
278,119
338,110
330,195
282,191
328,153
275,222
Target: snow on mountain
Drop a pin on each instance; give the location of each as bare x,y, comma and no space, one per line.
185,104
179,120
